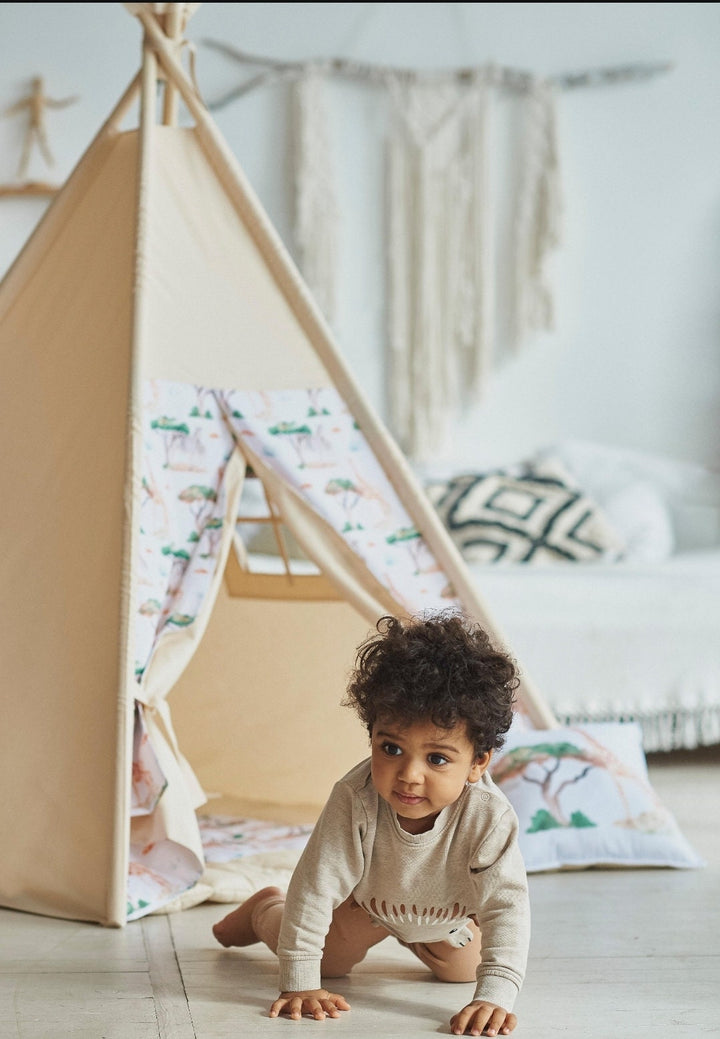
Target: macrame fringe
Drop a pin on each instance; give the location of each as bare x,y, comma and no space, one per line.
439,222
538,213
476,305
682,728
440,235
316,217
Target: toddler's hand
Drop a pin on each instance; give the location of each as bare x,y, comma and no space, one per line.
481,1018
317,1003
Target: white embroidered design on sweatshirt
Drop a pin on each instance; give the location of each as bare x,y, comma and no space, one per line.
391,916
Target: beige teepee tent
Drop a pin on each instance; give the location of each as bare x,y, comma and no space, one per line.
155,274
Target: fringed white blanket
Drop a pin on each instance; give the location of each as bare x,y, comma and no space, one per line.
620,642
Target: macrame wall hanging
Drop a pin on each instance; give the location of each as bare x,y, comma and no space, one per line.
446,306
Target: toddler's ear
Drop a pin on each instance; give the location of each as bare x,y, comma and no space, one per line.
479,766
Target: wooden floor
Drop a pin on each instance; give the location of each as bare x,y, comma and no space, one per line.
614,952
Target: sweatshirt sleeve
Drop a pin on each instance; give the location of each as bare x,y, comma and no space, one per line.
327,872
503,913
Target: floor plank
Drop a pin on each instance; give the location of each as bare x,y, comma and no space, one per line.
663,998
110,1005
171,1006
43,944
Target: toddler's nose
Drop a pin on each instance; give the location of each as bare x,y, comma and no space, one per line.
410,772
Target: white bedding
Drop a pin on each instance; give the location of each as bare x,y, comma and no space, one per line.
637,638
619,641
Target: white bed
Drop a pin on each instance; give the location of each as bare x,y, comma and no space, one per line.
634,639
622,641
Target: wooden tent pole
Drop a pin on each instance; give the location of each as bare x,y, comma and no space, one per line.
148,82
147,78
174,24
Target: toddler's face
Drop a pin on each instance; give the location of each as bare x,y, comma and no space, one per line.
420,769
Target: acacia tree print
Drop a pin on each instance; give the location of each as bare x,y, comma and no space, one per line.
201,500
348,496
172,432
546,759
299,436
316,407
180,560
211,534
416,546
155,515
200,408
357,494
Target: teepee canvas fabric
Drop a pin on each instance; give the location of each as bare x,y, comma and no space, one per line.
158,344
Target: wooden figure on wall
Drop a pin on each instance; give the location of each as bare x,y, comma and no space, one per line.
34,105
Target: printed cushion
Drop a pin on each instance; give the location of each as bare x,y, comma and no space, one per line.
583,798
527,514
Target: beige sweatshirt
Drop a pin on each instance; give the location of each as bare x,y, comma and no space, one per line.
421,887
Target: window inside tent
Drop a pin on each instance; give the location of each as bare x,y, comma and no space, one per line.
267,559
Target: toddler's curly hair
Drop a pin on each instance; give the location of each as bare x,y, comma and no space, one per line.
444,669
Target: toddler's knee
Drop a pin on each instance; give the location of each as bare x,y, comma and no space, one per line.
447,962
453,976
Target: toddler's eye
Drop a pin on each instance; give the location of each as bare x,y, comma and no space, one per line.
391,749
437,759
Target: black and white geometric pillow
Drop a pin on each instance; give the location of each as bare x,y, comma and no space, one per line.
528,514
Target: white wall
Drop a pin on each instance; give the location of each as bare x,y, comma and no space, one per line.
634,359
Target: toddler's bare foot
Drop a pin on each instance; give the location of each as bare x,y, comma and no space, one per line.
237,927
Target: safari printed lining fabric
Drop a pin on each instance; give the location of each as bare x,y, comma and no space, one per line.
307,436
311,440
186,446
